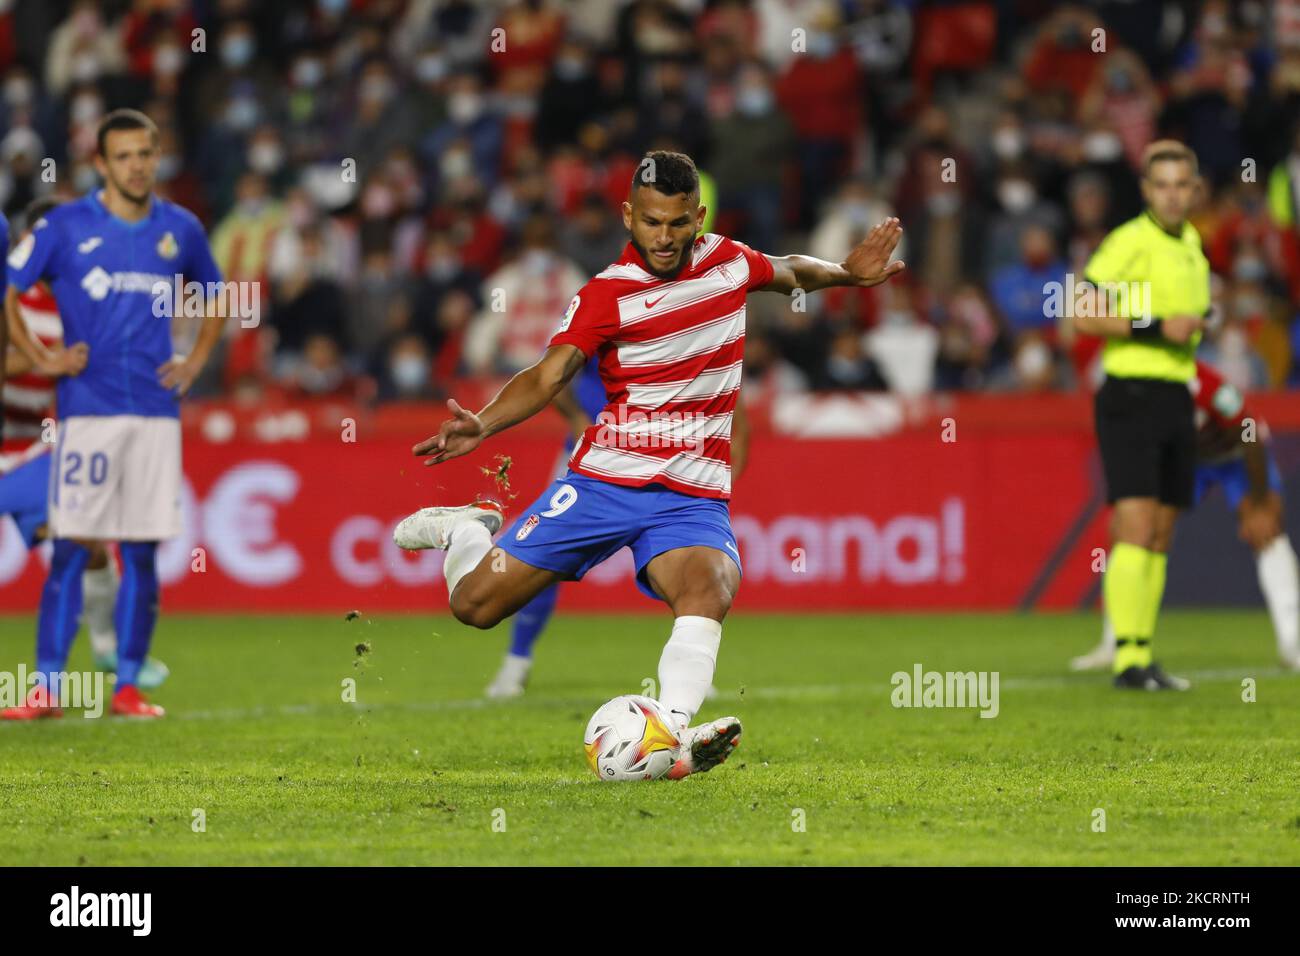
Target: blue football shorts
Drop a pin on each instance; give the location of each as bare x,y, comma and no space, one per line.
579,521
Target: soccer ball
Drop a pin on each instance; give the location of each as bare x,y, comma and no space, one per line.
630,738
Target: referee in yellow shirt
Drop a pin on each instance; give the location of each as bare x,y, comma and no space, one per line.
1152,293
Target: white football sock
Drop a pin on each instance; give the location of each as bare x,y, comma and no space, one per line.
686,665
1279,579
99,590
470,540
1107,632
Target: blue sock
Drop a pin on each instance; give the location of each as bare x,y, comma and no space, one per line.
136,609
530,621
60,612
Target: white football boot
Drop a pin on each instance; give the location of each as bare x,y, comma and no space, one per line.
511,679
1099,658
431,527
705,746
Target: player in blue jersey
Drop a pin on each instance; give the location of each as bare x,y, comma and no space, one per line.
114,260
580,405
34,362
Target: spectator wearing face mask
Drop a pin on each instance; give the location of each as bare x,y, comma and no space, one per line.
1019,207
569,96
1122,93
520,303
1019,290
322,372
82,49
377,119
754,142
407,372
470,141
822,93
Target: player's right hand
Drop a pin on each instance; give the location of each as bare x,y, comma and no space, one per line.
1180,328
459,435
67,361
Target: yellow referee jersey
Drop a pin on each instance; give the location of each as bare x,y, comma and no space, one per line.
1177,275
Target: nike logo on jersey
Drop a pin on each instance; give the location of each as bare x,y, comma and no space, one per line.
651,305
90,245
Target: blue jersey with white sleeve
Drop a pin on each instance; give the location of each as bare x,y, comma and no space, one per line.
115,283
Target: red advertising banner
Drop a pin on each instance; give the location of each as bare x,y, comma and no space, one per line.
910,521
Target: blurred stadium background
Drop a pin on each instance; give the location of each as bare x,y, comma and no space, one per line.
380,167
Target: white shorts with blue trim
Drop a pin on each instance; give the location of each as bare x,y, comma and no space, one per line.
116,478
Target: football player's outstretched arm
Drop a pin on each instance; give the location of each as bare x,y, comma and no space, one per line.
522,397
866,265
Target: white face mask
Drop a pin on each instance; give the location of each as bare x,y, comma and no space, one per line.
1102,147
430,68
464,108
85,68
168,167
167,60
308,73
1016,195
84,178
86,109
18,91
455,164
1008,143
265,157
1033,360
943,204
410,373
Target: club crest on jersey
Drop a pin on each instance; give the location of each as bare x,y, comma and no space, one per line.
167,247
527,528
569,313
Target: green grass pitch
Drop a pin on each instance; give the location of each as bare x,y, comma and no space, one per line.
421,770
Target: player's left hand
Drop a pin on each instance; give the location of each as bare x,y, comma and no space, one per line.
869,261
1261,522
178,374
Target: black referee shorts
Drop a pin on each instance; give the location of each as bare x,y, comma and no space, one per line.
1147,431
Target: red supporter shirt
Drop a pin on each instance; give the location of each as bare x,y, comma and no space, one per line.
670,359
29,397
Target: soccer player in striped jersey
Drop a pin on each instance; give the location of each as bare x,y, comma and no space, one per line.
1232,452
580,404
653,473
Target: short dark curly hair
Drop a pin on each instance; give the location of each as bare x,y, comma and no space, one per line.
667,172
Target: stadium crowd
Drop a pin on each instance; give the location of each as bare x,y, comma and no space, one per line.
388,170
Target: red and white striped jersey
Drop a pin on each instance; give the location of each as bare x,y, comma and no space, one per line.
29,397
670,359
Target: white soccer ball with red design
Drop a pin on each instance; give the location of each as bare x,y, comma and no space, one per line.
631,738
